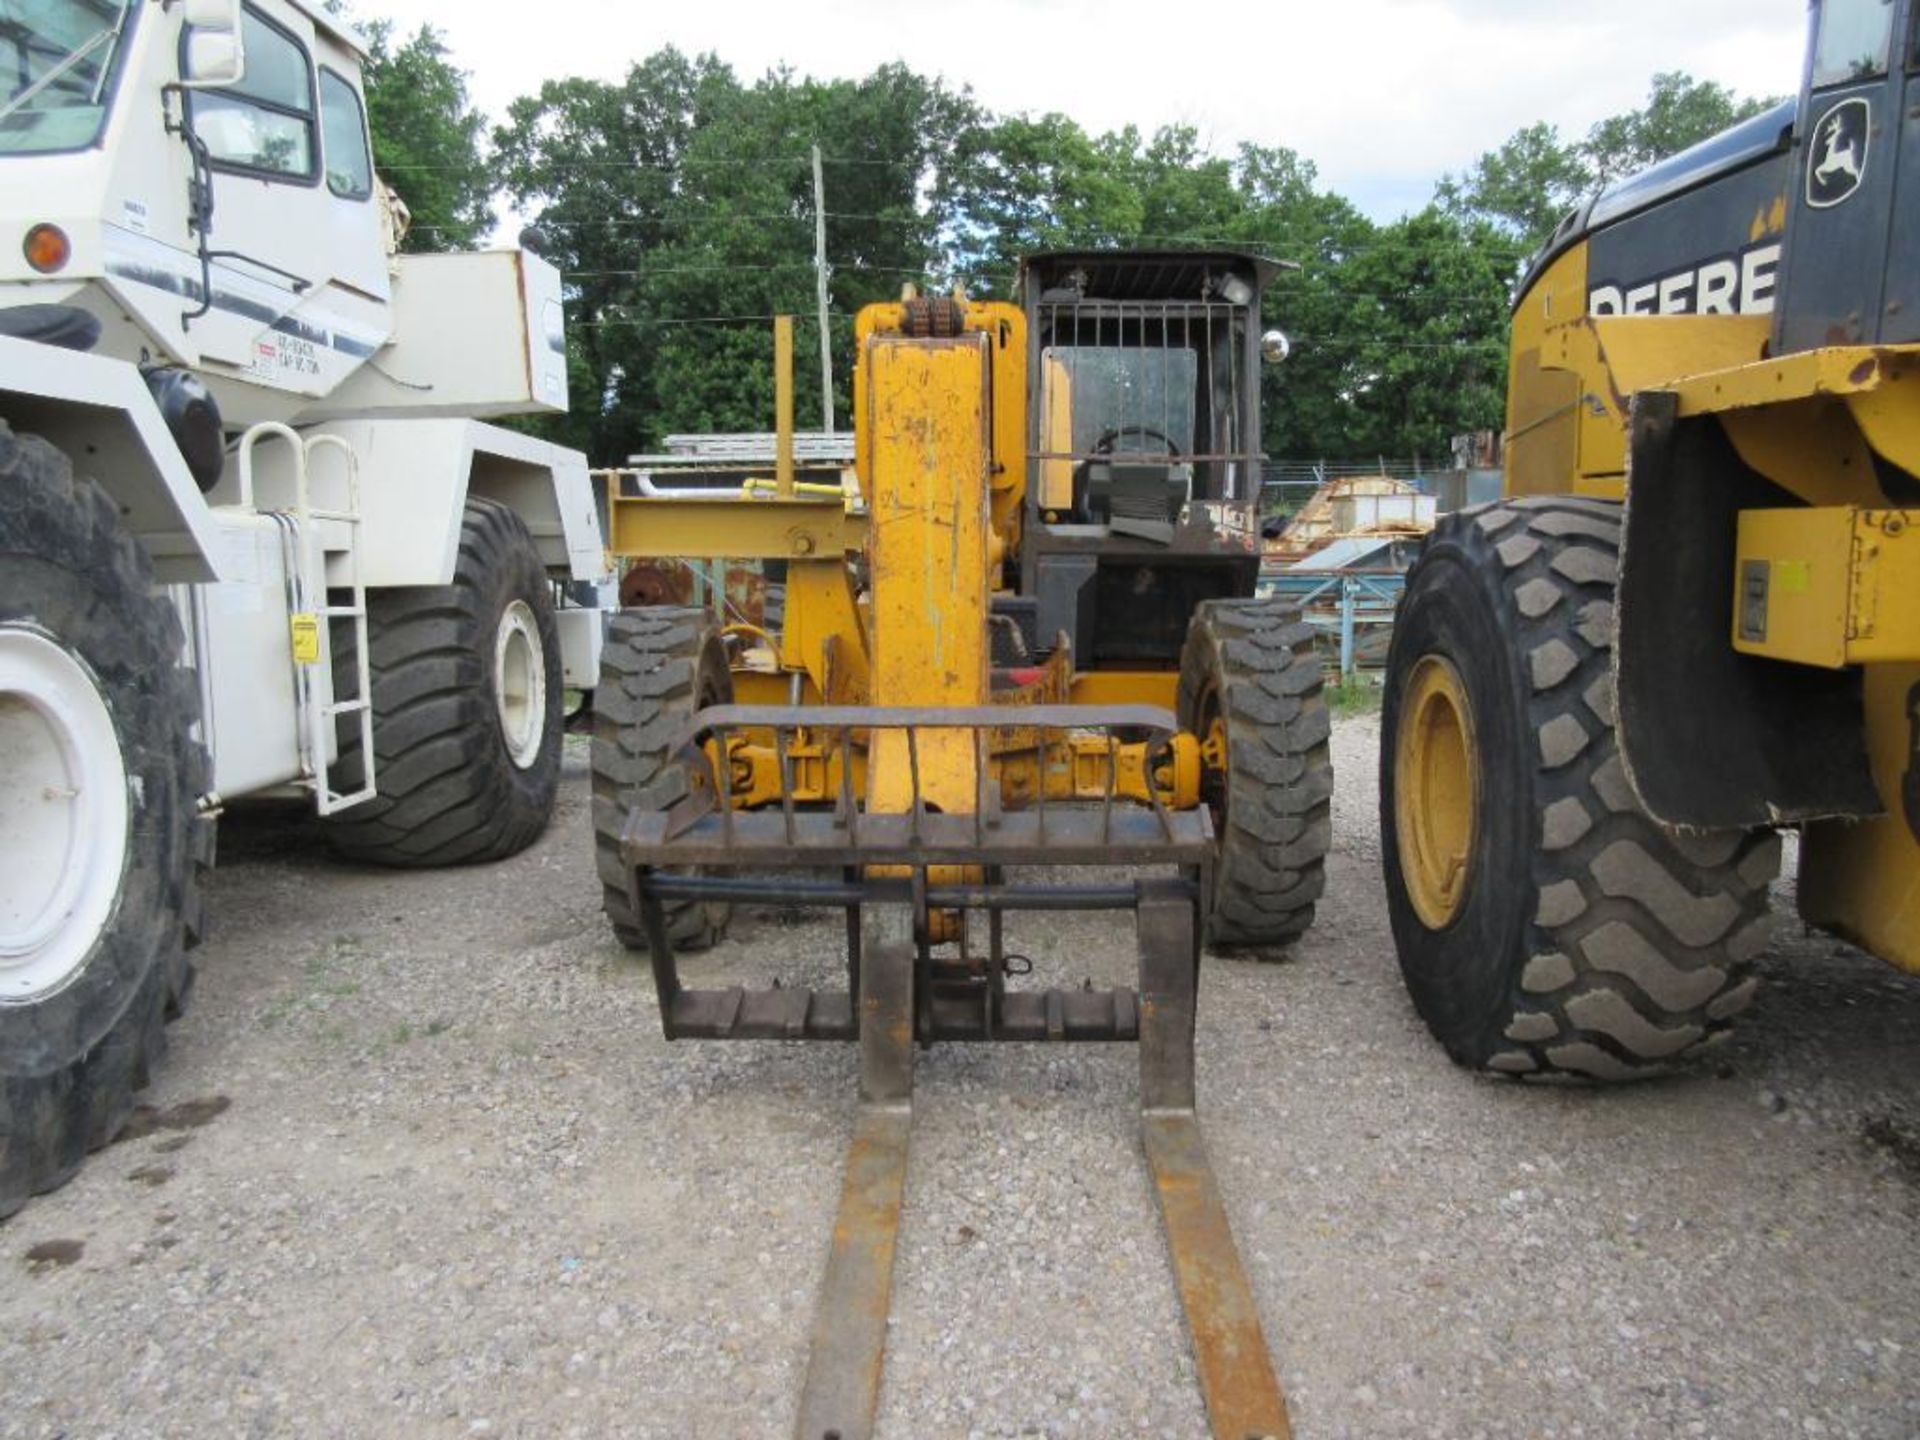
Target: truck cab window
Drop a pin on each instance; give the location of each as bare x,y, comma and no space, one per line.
1856,37
263,124
343,129
58,63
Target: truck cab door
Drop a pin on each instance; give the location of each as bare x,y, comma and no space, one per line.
1857,172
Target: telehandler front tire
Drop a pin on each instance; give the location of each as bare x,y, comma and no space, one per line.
1250,688
102,847
661,666
467,721
1546,925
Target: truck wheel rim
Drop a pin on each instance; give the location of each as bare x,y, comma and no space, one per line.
520,673
1436,787
63,815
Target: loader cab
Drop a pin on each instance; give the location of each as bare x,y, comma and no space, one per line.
1853,248
1143,473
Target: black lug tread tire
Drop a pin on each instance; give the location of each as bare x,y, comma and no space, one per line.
1593,942
71,1062
1257,656
449,790
661,665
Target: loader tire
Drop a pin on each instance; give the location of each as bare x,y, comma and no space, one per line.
1546,925
661,666
1250,680
102,848
467,722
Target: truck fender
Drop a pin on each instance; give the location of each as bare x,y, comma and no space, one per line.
99,412
415,476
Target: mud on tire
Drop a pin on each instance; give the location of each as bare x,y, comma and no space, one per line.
71,1058
1589,941
452,790
1250,665
660,667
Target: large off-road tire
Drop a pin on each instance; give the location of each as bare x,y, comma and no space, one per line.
1545,923
661,666
467,722
102,848
1250,688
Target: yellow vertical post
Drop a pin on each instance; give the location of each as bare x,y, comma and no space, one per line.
926,420
783,406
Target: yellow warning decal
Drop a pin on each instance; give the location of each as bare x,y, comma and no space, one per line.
306,639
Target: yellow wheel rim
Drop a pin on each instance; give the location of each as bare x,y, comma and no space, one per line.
1436,791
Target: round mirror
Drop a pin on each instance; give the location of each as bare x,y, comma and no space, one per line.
1275,347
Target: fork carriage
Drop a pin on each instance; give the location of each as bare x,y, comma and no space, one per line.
907,878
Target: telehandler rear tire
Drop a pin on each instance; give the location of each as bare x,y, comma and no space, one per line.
661,666
1250,688
467,722
102,848
1546,924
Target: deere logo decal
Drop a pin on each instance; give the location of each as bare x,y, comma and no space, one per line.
1910,786
1837,160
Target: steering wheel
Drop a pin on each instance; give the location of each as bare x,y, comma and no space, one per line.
1104,445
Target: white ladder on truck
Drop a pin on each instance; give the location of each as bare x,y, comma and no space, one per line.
311,614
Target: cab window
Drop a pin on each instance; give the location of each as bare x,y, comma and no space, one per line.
343,132
264,123
1856,37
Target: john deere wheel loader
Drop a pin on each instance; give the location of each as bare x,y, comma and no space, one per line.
1024,638
254,540
1695,619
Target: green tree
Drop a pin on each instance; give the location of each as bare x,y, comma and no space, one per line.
1680,112
679,203
1523,187
428,139
1423,336
1530,182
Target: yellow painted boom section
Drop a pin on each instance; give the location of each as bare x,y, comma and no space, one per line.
1004,328
925,435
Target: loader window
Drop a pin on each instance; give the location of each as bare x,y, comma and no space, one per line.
343,126
263,124
1856,37
58,65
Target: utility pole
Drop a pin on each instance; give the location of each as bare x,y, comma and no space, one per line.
820,280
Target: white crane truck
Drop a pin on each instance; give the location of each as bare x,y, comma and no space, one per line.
255,539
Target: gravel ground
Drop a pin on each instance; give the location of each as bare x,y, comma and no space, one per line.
462,1187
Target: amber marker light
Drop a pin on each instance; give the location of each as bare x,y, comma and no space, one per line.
47,248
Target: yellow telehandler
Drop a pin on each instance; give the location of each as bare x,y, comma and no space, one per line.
1023,637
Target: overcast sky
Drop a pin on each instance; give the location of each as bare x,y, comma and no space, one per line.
1384,96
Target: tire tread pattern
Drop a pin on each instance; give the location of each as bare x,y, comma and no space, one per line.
449,794
1258,656
652,671
1641,937
68,1078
